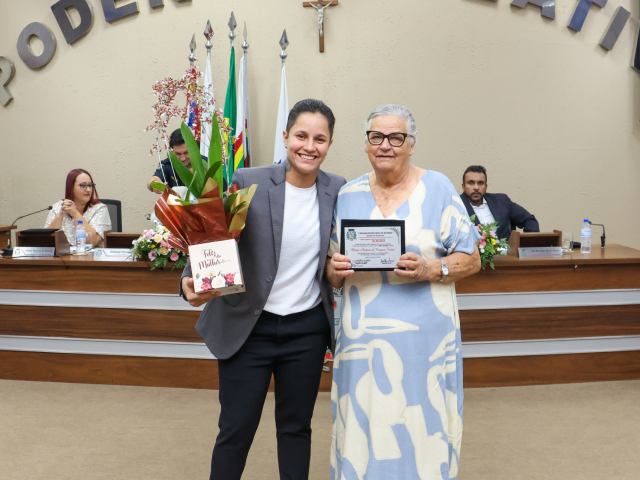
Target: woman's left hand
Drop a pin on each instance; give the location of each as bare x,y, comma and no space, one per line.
418,269
69,207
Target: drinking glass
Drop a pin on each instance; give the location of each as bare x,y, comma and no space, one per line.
567,241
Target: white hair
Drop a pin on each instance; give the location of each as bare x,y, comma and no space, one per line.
392,110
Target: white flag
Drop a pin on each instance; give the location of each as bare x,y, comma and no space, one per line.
206,128
279,150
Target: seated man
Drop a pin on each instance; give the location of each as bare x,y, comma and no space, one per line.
164,173
491,207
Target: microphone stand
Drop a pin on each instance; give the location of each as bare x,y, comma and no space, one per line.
7,252
603,238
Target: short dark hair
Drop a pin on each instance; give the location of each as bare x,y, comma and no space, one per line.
176,138
310,105
475,169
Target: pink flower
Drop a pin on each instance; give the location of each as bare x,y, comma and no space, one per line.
483,242
152,255
148,233
477,228
493,234
174,257
164,244
484,235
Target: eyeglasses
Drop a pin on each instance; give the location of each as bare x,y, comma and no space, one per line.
85,186
396,139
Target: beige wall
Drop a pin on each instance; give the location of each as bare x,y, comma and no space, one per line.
553,117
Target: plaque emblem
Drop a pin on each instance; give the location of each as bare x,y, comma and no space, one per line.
351,234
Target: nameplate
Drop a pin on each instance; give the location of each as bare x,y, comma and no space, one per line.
113,254
540,252
25,252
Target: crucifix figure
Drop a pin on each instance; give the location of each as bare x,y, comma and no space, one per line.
320,6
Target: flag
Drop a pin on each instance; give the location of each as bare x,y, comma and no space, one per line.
193,114
240,150
206,127
230,110
279,150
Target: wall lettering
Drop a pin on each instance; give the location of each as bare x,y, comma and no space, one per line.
581,12
616,26
7,71
548,7
71,33
46,36
160,3
113,13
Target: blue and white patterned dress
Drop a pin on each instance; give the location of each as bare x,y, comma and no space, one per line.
397,378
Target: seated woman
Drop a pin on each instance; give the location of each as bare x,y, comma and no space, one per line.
80,203
397,374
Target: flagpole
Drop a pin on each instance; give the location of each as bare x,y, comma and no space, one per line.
279,149
245,88
207,125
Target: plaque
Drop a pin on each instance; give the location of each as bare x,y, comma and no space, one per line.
372,245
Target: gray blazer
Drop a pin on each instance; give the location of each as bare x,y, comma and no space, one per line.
227,321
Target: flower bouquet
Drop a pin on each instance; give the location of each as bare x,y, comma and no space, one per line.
206,222
489,244
153,246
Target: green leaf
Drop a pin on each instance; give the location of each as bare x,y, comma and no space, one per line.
233,212
213,170
215,151
229,201
193,187
183,172
193,149
158,186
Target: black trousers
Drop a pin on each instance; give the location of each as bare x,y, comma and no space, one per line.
292,348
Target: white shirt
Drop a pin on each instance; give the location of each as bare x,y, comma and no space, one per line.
96,215
483,213
295,288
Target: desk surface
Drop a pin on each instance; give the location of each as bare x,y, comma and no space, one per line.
611,254
6,228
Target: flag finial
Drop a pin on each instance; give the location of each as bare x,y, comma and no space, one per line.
208,34
192,46
284,43
232,25
245,45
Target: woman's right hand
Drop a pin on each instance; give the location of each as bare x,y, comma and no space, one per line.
197,299
338,267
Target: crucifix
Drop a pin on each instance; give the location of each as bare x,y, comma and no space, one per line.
320,5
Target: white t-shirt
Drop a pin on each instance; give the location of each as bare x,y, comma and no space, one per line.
295,288
483,212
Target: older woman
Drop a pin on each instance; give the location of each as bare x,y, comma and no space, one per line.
397,388
80,203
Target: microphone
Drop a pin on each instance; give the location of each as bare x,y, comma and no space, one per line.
7,252
603,238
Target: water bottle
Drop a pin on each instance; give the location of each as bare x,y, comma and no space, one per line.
585,237
81,239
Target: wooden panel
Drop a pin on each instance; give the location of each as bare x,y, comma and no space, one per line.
27,240
539,323
552,278
611,255
109,370
119,239
550,369
112,370
104,323
95,279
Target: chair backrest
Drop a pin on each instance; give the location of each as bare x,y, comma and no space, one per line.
115,212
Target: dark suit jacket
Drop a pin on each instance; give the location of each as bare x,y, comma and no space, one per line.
227,321
508,214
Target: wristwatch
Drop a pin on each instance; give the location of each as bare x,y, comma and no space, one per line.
445,270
